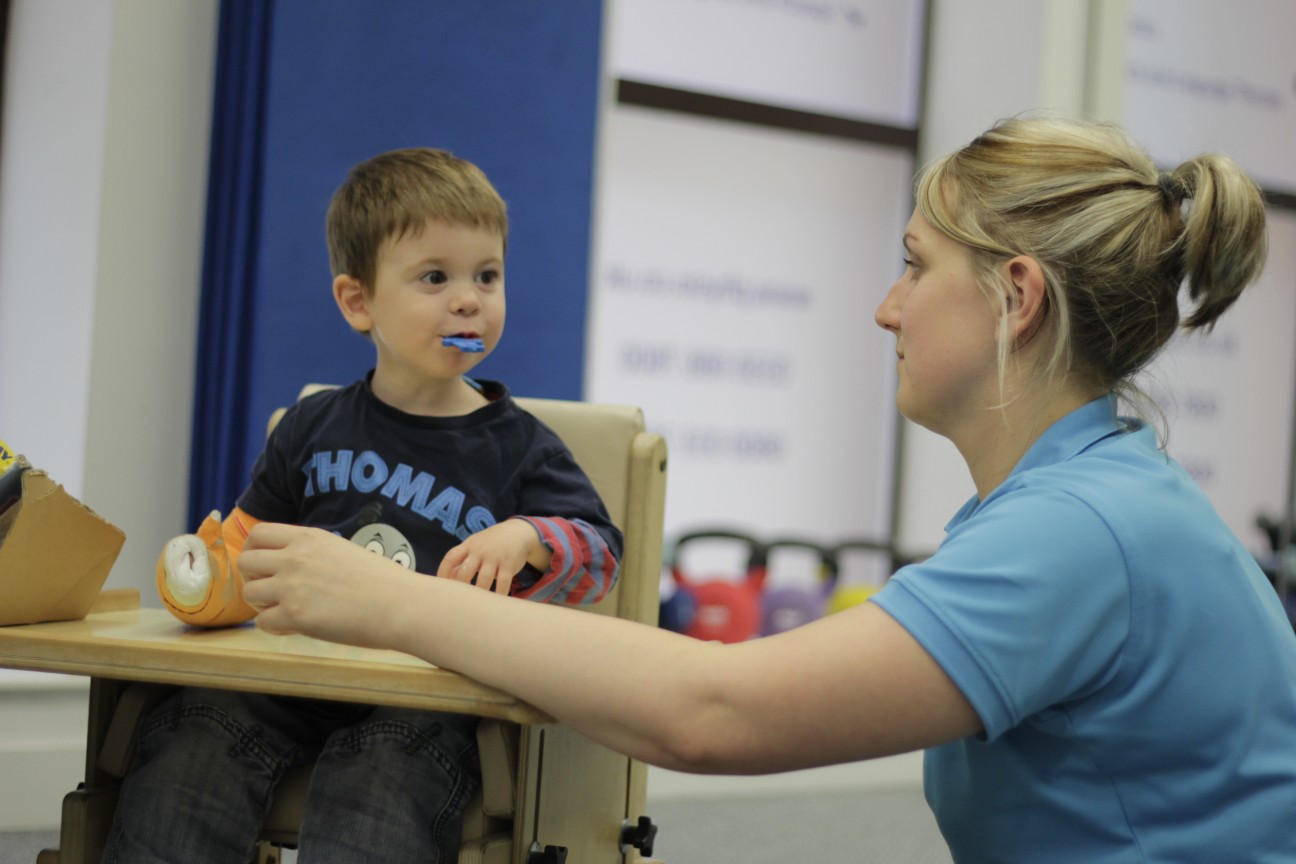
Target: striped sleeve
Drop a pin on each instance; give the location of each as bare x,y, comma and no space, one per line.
582,570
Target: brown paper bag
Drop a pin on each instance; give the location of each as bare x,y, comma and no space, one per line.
55,554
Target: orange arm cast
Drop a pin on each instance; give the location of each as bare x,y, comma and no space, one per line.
221,605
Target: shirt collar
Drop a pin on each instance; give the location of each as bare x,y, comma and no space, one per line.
1065,439
1073,434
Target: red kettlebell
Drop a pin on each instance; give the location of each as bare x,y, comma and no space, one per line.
723,609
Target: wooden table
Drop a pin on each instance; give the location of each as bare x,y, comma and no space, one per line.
134,644
580,801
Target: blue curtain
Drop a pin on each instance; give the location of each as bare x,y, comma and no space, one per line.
228,303
512,85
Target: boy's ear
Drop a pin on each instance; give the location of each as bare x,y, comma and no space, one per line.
351,301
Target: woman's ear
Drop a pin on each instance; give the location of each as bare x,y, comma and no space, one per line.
351,300
1027,301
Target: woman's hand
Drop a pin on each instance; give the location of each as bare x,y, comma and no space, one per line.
312,581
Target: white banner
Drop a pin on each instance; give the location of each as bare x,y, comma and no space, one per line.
1228,396
736,276
859,59
1204,75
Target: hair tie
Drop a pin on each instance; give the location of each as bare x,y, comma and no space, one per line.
1171,190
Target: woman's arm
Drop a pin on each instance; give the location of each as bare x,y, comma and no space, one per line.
850,686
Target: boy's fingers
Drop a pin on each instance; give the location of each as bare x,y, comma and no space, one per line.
503,582
486,575
469,568
450,562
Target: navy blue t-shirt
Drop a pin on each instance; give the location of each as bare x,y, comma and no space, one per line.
412,487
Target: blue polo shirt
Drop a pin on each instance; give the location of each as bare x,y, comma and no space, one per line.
1132,668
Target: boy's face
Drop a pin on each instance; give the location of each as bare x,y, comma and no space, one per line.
446,280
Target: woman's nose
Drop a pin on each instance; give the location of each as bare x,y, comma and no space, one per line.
887,315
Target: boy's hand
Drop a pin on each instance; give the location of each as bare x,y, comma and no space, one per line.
492,557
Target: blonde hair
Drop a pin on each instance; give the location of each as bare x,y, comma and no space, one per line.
1115,237
401,191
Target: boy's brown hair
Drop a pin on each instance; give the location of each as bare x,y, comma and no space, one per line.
398,192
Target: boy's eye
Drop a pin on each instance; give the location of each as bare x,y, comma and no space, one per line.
434,277
488,277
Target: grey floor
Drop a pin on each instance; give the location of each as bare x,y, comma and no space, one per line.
885,826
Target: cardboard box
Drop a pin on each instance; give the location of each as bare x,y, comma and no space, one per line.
55,552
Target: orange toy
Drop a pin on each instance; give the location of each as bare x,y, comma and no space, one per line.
197,574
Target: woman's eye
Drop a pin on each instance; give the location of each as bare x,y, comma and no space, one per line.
910,264
434,277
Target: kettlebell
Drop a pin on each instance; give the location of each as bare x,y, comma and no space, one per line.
715,607
862,568
785,605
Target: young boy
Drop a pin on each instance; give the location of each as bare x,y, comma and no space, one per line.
417,462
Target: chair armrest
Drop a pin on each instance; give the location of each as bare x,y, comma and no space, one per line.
118,745
497,744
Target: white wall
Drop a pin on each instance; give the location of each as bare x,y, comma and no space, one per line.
102,195
148,274
51,179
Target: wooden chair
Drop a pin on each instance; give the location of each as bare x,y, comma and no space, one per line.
546,791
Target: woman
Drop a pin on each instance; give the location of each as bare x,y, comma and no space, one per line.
1096,667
